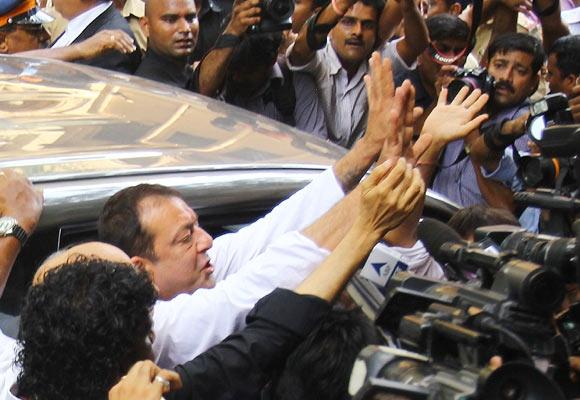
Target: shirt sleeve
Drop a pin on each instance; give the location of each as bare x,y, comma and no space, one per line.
244,362
315,67
389,50
505,171
191,323
231,252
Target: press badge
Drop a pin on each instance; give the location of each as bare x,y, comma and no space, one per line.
382,264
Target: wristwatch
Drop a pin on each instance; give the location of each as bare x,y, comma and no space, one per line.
9,227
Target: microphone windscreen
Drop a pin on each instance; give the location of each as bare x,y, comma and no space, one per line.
434,234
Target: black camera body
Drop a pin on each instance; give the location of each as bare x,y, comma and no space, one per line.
276,16
477,78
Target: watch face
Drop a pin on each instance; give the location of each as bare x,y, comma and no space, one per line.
7,225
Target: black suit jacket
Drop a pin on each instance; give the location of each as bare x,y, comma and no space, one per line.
113,60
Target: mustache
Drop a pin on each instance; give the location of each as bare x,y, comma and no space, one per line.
356,42
505,85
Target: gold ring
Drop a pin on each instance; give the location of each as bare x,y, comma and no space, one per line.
166,384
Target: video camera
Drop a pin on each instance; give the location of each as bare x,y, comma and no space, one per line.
276,16
449,330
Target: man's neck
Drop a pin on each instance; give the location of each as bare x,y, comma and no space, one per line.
178,61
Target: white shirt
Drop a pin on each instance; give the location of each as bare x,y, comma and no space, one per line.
344,101
78,24
248,265
8,372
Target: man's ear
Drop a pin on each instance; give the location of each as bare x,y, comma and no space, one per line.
143,264
144,23
569,82
455,9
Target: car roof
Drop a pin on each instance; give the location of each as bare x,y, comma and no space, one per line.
66,121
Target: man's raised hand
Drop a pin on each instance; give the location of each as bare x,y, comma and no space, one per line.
449,122
389,194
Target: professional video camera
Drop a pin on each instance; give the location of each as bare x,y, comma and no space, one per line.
450,330
276,16
477,78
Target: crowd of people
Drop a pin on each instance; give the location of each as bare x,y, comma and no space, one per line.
158,307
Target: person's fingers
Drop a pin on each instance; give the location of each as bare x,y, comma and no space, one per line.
173,378
417,112
495,362
479,104
376,76
378,173
472,98
387,75
394,177
415,188
474,124
442,100
461,95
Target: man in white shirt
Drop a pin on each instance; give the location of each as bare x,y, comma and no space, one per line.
340,63
86,18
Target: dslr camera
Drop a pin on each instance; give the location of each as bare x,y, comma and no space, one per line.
472,78
276,16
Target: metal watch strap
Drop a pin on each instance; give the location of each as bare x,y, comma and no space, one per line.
20,234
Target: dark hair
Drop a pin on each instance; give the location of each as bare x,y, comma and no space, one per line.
82,329
446,26
256,50
567,51
466,220
378,5
320,367
519,42
119,223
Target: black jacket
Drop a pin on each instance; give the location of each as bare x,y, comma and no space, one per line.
112,60
244,362
162,69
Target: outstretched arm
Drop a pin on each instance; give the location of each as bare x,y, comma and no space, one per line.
301,52
100,43
416,36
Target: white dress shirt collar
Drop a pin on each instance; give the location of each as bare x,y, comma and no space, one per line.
78,24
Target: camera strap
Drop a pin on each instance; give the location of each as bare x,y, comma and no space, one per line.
314,29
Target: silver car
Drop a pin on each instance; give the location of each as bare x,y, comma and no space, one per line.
83,134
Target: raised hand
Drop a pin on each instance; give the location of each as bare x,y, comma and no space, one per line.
380,89
145,381
449,122
19,199
245,13
389,195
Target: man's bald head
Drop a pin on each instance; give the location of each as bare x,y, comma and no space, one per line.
101,250
171,27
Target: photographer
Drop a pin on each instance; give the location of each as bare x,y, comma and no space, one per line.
257,82
481,175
